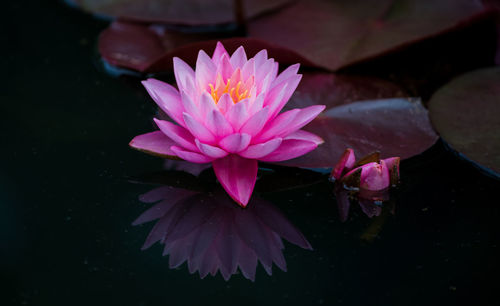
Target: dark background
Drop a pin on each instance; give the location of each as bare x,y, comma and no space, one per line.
67,203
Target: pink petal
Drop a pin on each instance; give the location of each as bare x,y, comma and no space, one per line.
225,103
225,68
260,58
345,163
184,75
375,176
292,84
248,69
275,95
191,156
257,104
189,106
198,130
263,83
218,124
255,124
180,135
391,162
209,150
289,72
167,98
266,70
207,105
235,143
393,166
237,175
262,149
304,116
218,53
239,58
290,149
205,71
237,115
154,143
304,135
278,126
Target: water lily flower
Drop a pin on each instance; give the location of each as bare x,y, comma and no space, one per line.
228,112
369,174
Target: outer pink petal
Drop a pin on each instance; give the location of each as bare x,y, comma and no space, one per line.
180,135
198,129
235,143
218,124
375,176
292,84
289,72
278,126
218,53
255,123
193,157
209,150
237,175
346,162
304,135
205,71
239,58
275,95
290,149
304,116
184,75
154,143
167,98
262,149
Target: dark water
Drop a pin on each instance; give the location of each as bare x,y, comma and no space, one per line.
68,200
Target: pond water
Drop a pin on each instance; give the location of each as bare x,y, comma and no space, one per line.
70,188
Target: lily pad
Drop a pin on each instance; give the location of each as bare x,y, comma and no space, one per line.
180,12
152,48
335,34
395,127
466,113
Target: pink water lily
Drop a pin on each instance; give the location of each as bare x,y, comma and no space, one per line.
228,112
370,173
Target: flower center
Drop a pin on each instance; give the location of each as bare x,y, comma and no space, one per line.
236,90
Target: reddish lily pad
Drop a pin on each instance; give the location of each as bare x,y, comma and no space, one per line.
137,46
395,127
181,12
466,113
335,34
152,48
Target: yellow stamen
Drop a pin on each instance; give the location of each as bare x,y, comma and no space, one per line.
220,88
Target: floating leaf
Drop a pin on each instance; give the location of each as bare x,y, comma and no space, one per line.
395,127
136,46
152,48
179,12
335,34
466,113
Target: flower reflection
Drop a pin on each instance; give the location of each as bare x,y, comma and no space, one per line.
212,234
371,203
